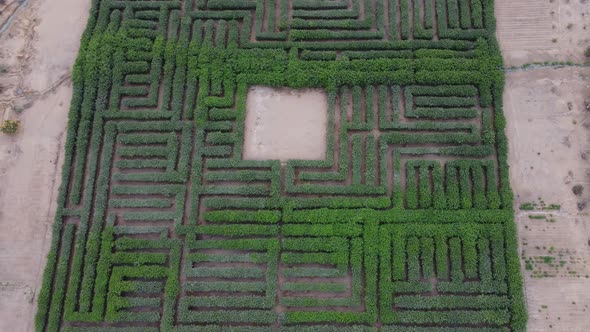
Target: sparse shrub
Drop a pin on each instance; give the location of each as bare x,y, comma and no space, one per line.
9,127
578,190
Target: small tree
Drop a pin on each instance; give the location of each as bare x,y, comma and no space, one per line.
9,127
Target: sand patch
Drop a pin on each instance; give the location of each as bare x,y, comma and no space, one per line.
285,124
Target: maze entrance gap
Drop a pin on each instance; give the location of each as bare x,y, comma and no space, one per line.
283,124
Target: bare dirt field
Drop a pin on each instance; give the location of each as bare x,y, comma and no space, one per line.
37,54
274,118
543,30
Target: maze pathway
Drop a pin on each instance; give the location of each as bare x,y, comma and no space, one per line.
406,225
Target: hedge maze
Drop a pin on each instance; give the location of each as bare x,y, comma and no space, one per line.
406,225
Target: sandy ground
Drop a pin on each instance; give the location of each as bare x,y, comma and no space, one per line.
285,124
543,30
548,127
549,130
36,90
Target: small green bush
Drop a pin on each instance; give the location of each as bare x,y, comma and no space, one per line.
9,127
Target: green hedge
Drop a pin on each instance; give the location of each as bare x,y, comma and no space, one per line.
408,220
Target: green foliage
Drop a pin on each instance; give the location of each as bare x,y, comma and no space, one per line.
162,225
9,127
537,216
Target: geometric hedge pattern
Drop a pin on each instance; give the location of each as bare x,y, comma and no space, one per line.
406,225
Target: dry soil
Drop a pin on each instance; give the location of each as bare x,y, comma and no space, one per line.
36,57
285,124
548,126
543,30
549,131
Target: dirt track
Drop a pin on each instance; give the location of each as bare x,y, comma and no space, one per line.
545,133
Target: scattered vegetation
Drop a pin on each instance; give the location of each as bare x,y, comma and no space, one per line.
537,216
578,190
9,127
552,207
528,206
547,64
539,205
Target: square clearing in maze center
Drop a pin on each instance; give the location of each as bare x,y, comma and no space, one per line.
401,221
285,124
